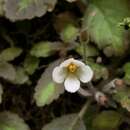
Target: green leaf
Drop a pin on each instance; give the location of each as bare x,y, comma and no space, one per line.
69,33
1,92
101,20
90,50
1,8
7,71
123,97
43,96
126,68
46,90
107,120
42,49
25,3
31,64
65,123
21,76
27,9
11,121
10,54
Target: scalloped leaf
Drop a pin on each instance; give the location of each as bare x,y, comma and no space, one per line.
7,71
31,64
69,33
1,8
11,121
27,9
107,120
25,3
90,50
10,54
21,76
66,122
101,20
1,92
46,90
123,97
43,49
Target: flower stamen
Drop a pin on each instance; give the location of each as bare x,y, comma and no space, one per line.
72,67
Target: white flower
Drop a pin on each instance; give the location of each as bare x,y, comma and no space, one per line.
71,72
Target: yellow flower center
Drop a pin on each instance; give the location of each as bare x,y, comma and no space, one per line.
72,67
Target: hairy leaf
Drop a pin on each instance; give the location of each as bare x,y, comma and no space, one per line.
69,33
27,9
7,71
43,49
107,120
123,97
10,54
90,50
11,121
1,8
101,20
46,90
25,3
31,64
21,76
65,123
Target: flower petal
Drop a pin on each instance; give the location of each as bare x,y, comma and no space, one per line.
78,63
59,74
85,73
66,62
72,84
71,60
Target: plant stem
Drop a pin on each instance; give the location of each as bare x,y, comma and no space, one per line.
91,87
84,43
84,109
84,52
84,92
80,114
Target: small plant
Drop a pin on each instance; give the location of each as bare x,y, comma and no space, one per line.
64,65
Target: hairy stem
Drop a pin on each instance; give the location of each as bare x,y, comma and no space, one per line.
85,93
80,114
